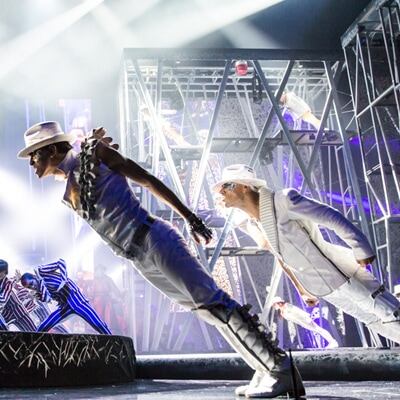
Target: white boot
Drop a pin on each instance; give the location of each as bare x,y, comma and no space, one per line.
278,382
255,381
249,338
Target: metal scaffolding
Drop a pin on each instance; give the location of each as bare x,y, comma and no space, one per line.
371,48
185,114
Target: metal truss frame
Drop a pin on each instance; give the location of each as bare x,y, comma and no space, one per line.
371,50
322,157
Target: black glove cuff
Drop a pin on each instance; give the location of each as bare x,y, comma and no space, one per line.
198,226
194,220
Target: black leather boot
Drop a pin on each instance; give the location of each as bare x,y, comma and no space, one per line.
248,336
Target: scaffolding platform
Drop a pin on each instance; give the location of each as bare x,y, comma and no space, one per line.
236,251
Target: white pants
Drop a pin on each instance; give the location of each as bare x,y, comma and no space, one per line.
165,260
378,312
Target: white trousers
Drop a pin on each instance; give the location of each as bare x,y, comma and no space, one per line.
362,298
164,259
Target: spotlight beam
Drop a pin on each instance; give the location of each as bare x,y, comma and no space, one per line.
184,27
16,51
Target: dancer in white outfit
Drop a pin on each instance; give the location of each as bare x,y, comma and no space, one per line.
289,225
97,189
299,108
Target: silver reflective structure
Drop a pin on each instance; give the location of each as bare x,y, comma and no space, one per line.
371,50
185,114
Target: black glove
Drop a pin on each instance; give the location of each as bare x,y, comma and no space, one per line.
199,229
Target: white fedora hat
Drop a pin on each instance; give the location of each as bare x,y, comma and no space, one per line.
44,134
239,173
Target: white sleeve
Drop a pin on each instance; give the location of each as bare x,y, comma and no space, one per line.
255,233
301,207
296,105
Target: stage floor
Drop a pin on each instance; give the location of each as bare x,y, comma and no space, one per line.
204,390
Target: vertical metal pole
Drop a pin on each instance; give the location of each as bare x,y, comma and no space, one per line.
156,140
338,166
318,140
161,319
121,106
209,139
206,335
275,280
371,71
347,151
391,62
354,95
248,270
394,46
372,112
158,130
249,128
184,332
147,316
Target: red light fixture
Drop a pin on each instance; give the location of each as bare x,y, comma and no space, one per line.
241,67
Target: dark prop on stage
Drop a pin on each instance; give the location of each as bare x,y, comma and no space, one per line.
45,359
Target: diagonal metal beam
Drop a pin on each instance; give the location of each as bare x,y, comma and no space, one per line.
228,223
267,123
318,140
282,122
347,151
158,130
207,147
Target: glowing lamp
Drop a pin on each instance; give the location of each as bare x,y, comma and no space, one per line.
241,67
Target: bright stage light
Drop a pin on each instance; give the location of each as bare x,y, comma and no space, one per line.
18,50
82,253
26,215
176,23
189,21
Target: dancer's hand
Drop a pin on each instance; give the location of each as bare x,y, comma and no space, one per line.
100,134
199,229
310,301
366,261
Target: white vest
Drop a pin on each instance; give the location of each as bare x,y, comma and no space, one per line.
290,223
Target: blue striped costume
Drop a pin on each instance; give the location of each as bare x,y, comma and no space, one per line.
3,324
42,311
32,304
12,309
55,285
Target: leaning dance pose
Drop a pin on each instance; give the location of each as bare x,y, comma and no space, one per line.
12,309
97,189
51,282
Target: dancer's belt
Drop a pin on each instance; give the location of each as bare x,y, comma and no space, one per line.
143,230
